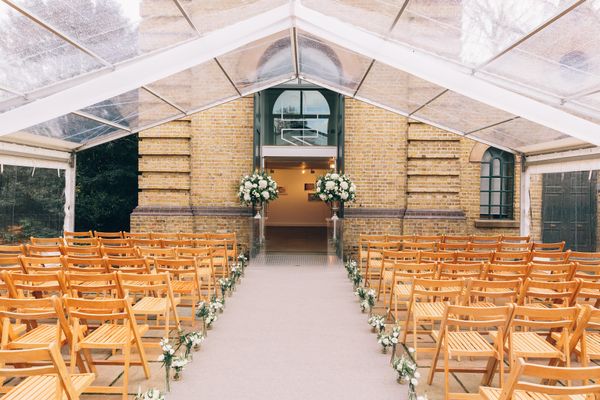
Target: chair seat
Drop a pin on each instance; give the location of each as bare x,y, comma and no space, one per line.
152,305
530,344
592,344
402,290
387,276
110,336
40,336
488,393
429,311
469,343
183,286
43,387
483,304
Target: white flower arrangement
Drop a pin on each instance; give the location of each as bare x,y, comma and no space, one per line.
377,322
166,358
257,188
361,293
407,372
351,265
389,340
179,363
150,394
216,305
335,187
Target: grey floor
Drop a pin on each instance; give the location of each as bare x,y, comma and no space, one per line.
292,330
283,239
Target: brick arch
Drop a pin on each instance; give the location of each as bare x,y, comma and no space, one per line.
477,152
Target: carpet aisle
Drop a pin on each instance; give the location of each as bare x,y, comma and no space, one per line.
290,332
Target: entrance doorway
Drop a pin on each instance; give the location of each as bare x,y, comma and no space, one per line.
569,209
296,221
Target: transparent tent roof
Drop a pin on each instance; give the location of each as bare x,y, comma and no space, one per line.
523,75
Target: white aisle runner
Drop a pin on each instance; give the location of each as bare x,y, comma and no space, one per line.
290,332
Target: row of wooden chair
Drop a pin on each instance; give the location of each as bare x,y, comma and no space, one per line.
444,238
147,235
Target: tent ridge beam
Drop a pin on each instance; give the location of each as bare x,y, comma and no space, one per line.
536,30
101,120
73,42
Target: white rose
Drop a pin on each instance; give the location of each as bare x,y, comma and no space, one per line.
344,195
319,182
344,185
254,185
262,184
247,197
322,196
352,188
266,195
329,185
318,189
247,185
414,382
417,374
334,176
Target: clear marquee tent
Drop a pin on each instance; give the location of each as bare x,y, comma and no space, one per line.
520,75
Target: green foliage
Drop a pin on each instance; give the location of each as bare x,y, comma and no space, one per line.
107,185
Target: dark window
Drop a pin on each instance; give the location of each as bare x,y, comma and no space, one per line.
497,184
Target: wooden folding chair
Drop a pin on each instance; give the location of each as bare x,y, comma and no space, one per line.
42,382
558,246
168,243
399,238
457,271
549,294
186,282
230,242
12,250
404,274
151,295
145,243
137,235
117,331
515,246
80,234
465,332
11,263
529,381
192,236
489,239
81,251
83,265
92,286
164,235
529,333
585,341
471,257
41,264
204,264
51,242
483,247
585,258
456,238
119,252
429,238
483,293
551,272
80,241
454,246
220,256
156,252
375,252
587,272
108,235
511,257
516,239
419,246
427,305
35,285
363,249
113,242
389,261
503,272
128,265
588,293
43,251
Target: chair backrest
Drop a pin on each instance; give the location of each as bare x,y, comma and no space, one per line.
84,265
511,257
502,272
35,285
81,234
177,243
129,265
429,238
113,310
550,257
460,270
177,268
437,290
589,291
364,238
134,242
27,363
114,242
43,251
192,236
12,250
406,271
545,319
41,264
587,272
454,246
87,241
377,248
419,246
399,238
11,263
551,272
549,293
164,235
585,258
556,246
108,235
82,251
155,284
470,256
436,256
120,252
138,235
537,381
491,239
515,246
496,292
456,238
457,318
55,241
516,239
482,247
156,252
91,285
393,257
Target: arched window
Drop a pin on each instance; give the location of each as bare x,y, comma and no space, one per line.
497,184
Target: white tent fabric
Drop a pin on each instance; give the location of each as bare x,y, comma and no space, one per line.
522,75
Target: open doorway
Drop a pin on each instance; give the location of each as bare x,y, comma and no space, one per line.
296,221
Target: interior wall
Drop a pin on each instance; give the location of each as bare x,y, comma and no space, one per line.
292,208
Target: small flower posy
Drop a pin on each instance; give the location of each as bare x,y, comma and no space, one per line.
391,339
335,187
257,188
407,372
150,394
377,322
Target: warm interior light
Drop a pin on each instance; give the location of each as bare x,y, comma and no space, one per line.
303,171
332,165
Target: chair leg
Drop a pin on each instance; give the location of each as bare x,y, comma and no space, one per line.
126,357
435,358
415,336
446,375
